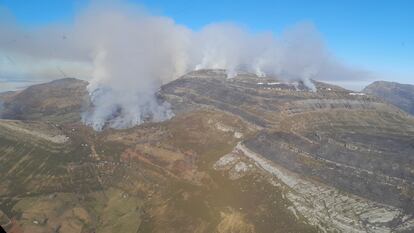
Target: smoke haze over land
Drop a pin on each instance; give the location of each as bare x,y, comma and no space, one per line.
127,54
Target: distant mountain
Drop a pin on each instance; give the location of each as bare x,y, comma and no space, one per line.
60,99
400,95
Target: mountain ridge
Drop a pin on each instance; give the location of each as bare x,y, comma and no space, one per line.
401,95
245,152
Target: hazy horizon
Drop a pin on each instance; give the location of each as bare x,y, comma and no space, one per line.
38,45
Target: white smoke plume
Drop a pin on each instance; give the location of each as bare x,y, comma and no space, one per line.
127,54
133,55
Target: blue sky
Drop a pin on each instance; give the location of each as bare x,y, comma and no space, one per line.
376,35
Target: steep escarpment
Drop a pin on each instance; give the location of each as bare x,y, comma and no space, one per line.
350,142
368,159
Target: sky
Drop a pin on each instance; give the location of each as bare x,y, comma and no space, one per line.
374,35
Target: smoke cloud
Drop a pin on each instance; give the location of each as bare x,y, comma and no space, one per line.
127,54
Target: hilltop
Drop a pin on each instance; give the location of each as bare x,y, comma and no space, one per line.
401,95
246,154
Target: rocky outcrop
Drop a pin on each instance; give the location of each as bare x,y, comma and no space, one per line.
327,207
351,143
339,160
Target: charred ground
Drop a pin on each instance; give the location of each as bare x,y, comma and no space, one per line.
197,172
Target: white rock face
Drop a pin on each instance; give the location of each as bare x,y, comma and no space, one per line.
233,163
357,93
327,207
226,160
58,139
238,135
226,128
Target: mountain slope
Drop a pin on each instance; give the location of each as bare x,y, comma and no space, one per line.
401,95
246,154
59,101
348,142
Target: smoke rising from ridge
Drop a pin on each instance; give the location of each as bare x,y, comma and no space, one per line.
127,54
